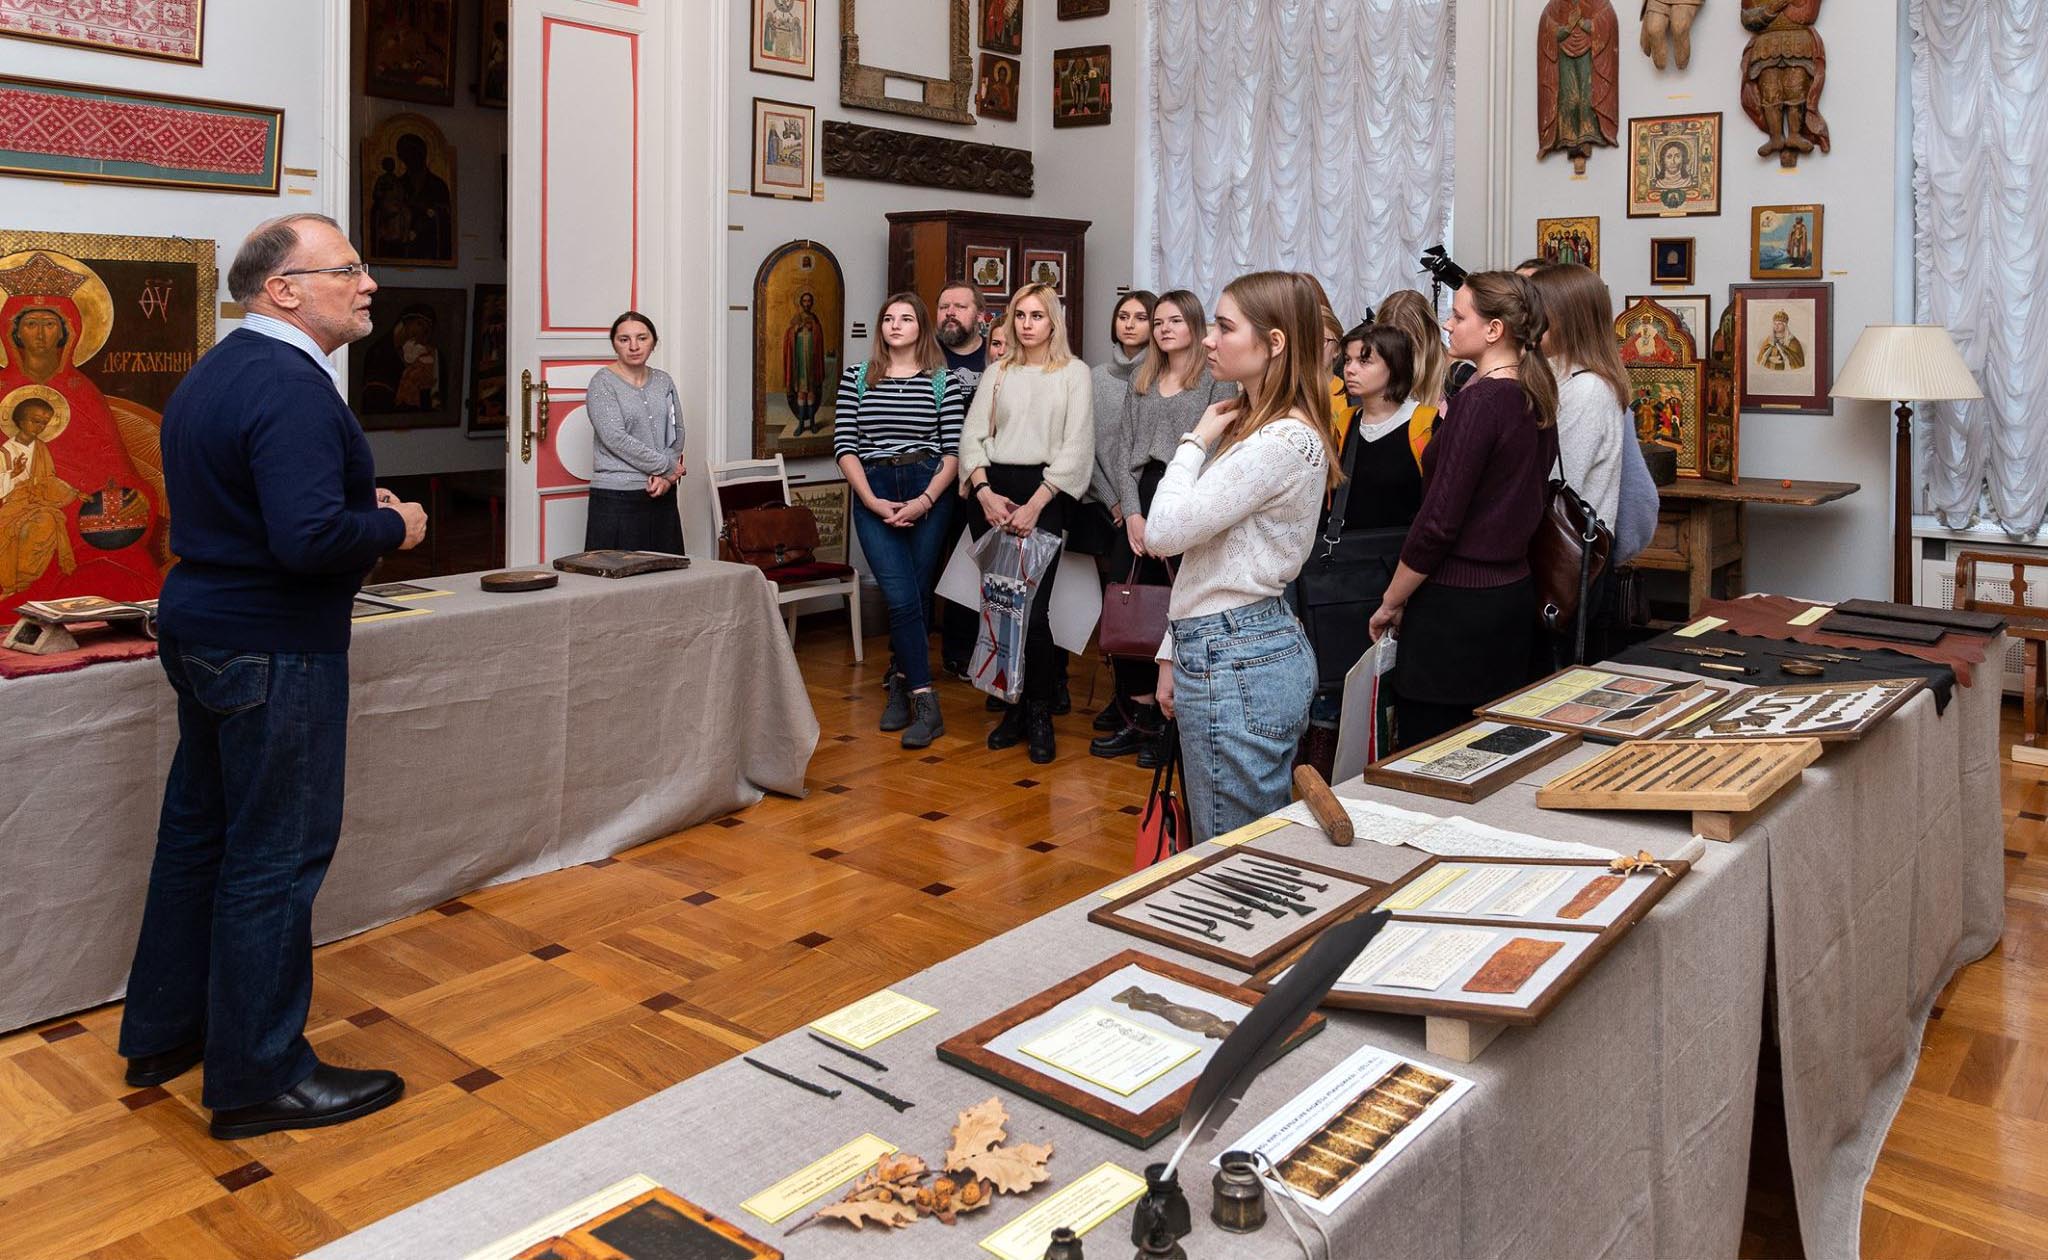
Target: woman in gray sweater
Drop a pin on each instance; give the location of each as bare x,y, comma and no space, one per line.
636,444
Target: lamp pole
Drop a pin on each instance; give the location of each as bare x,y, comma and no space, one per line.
1902,510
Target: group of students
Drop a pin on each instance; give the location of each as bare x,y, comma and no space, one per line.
1212,455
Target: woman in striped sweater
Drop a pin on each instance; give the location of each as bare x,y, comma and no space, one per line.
897,439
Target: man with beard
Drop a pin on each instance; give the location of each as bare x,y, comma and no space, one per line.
959,331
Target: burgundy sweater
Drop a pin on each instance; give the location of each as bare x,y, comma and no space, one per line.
1482,495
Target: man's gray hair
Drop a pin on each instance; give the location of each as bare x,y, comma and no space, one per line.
264,252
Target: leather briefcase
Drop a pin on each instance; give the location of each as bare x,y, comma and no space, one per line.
770,537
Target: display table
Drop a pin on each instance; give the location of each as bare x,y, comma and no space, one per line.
1619,1126
494,737
1702,528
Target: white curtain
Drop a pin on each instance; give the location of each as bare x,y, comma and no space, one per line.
1980,196
1308,135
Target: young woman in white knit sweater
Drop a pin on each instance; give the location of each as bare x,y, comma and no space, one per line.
1027,451
1239,503
1593,426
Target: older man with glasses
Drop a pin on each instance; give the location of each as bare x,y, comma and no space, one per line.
275,520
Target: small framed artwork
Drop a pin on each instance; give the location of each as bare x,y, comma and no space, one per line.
1785,335
1784,242
828,501
407,374
1472,762
409,50
1575,240
784,156
1002,26
989,267
408,194
1607,706
1694,311
785,38
1071,9
1671,259
494,53
1674,166
995,90
1047,267
1081,86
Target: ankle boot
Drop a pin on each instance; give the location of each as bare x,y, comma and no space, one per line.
1010,731
1038,731
928,724
896,713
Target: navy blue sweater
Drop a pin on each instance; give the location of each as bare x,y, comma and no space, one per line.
274,514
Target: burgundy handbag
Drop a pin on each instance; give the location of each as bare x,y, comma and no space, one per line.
1134,616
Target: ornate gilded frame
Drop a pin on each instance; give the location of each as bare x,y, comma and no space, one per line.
944,100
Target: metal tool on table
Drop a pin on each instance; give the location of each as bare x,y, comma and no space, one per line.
1178,926
1232,895
1719,668
900,1104
797,1081
1236,914
1285,900
1232,920
855,1055
1287,873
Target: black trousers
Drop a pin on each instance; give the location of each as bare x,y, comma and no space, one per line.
1018,482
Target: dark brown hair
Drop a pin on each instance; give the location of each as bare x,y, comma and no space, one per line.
1392,347
1143,297
1157,361
926,347
636,318
1295,382
1412,313
1518,305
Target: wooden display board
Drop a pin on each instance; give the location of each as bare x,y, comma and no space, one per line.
1251,937
1830,711
1607,705
1724,782
1473,762
1141,1121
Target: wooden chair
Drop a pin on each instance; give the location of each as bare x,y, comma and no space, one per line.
748,483
2025,622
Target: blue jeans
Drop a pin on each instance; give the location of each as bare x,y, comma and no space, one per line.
1242,682
905,562
250,818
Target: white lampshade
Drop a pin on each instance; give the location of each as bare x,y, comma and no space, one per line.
1906,363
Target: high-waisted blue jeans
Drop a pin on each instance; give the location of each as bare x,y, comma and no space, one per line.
905,560
1242,682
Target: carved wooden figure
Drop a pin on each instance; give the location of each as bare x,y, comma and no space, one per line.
1667,31
1783,71
1578,79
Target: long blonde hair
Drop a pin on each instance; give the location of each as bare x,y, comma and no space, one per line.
1296,381
1411,312
1057,353
1517,303
1581,314
925,348
1157,361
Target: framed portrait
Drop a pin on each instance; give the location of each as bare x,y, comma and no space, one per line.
487,410
1785,340
1002,26
1575,240
408,178
799,327
1081,86
409,50
995,89
785,38
1674,166
1046,266
1784,242
828,501
785,155
1694,311
989,267
1671,259
407,374
72,131
1071,9
168,32
493,53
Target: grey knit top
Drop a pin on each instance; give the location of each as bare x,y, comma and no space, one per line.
1153,427
635,432
1112,382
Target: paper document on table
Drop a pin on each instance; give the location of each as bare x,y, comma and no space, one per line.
1392,939
1530,893
1456,836
1107,1050
1435,962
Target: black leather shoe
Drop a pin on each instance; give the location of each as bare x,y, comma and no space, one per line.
1110,719
994,704
1153,752
1010,731
1038,732
1062,700
155,1069
331,1095
1118,743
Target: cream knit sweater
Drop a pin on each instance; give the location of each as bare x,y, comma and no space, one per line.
1028,415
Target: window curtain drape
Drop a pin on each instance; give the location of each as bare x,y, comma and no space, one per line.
1310,135
1980,198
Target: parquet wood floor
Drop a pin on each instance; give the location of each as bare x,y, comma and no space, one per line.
520,1012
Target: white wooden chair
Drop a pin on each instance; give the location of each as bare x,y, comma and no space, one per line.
747,483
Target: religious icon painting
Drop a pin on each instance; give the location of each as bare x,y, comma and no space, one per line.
1578,79
1667,381
1671,259
989,267
1071,9
407,374
1002,26
1081,86
784,153
487,362
785,38
1694,311
409,50
1674,166
1784,242
1574,240
799,326
995,89
408,192
1719,415
1047,267
494,53
168,31
1785,337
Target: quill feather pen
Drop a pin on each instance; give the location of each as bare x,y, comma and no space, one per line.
1264,1030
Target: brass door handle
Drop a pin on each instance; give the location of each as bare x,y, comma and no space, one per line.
528,432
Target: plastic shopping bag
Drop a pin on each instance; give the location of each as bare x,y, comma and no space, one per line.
1011,570
1361,731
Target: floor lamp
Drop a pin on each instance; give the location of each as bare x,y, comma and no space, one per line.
1897,362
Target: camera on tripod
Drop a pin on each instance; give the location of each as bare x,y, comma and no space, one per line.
1441,269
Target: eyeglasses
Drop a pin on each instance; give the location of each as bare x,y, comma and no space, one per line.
352,270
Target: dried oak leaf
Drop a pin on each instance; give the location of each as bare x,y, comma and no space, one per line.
859,1212
1012,1169
979,1128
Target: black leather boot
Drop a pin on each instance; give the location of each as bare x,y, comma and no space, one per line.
1010,731
156,1069
1038,730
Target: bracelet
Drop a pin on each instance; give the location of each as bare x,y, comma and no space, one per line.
979,488
926,495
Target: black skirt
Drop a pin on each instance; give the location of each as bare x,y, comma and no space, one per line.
633,520
1465,645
